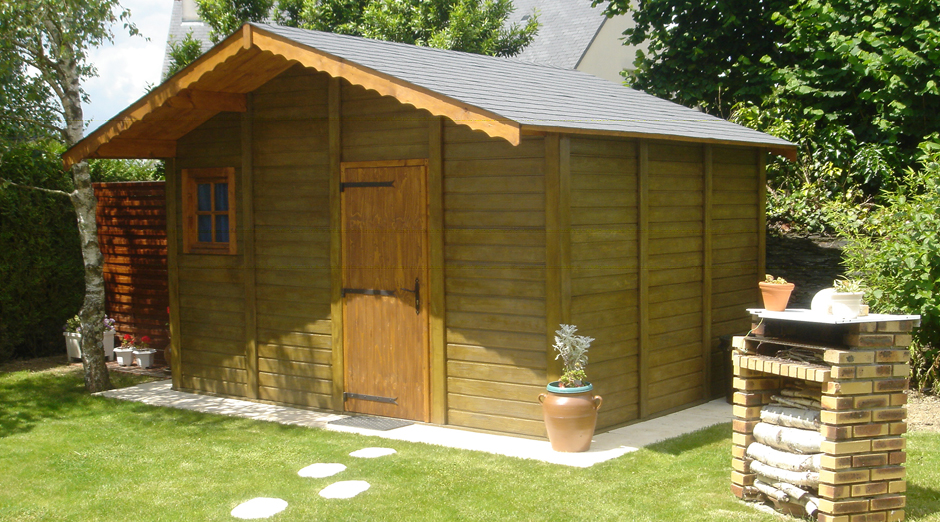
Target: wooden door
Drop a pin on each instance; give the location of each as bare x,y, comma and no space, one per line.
385,281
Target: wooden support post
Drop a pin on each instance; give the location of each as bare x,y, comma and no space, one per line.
707,274
336,244
643,275
437,332
557,244
761,219
247,221
172,266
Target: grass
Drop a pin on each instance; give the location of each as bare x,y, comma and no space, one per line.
65,455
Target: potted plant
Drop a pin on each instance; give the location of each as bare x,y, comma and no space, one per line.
108,338
144,353
73,338
847,298
125,354
775,292
569,407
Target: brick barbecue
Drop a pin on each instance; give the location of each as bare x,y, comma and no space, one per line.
824,398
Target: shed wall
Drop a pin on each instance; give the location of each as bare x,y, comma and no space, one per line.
676,261
736,232
212,306
290,159
604,269
494,255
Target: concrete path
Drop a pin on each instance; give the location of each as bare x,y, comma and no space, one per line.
606,446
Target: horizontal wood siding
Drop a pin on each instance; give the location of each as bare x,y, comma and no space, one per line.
676,260
131,220
292,238
494,255
735,249
604,269
212,315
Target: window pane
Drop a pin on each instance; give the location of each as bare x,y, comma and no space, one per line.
205,229
221,196
221,228
204,197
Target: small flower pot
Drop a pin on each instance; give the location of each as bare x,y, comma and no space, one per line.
570,416
73,345
144,357
775,296
846,305
108,340
125,356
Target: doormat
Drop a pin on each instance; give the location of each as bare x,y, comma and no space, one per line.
372,423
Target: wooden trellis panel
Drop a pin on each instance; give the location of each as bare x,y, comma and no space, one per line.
132,233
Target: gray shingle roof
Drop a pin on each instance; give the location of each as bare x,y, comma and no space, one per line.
529,94
566,30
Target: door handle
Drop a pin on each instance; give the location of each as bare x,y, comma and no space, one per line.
417,293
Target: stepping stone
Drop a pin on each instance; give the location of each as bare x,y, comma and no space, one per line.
345,489
259,508
321,470
371,453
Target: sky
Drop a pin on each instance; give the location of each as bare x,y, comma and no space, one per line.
129,64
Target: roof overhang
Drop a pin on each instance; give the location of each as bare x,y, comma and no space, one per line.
221,79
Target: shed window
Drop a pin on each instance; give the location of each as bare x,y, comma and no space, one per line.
209,211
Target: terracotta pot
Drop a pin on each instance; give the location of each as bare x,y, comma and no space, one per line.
570,416
775,296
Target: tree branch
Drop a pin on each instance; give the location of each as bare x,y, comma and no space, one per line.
6,182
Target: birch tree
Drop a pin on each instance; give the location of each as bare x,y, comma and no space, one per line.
44,45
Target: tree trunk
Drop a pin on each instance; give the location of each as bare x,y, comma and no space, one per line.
92,312
83,200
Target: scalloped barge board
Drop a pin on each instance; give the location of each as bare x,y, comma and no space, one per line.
606,446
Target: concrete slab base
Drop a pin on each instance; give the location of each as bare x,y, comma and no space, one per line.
605,446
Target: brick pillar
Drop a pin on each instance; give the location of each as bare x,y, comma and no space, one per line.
862,477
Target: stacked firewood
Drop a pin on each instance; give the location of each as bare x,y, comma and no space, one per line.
785,456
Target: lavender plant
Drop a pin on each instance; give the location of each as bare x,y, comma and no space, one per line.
572,349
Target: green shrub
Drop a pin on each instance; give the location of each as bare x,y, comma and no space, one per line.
896,252
41,279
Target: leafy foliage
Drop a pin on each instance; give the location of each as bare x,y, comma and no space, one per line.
225,16
852,82
572,350
475,26
705,54
41,279
896,252
182,53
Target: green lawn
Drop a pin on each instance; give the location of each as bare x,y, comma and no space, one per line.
67,456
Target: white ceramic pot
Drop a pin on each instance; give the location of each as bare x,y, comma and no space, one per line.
846,305
73,345
144,357
109,345
125,356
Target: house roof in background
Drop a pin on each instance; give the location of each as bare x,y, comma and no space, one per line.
178,30
566,30
501,96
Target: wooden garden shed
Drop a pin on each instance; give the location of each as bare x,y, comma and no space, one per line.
364,226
